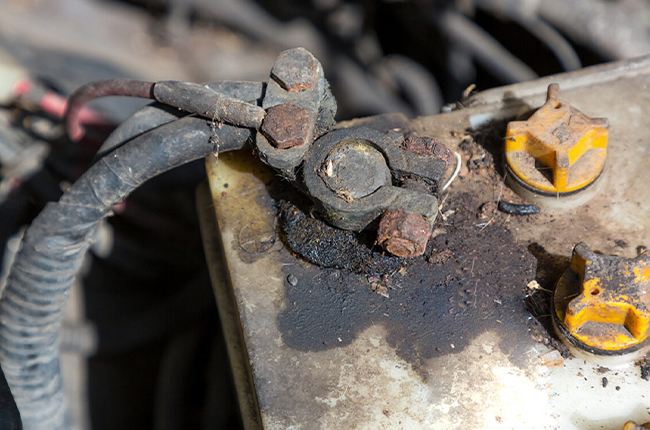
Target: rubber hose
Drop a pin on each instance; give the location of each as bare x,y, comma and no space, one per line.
53,249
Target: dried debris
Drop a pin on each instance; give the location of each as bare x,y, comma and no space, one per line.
518,209
644,366
330,247
457,291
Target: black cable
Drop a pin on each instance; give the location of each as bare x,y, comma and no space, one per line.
146,119
201,100
187,96
157,114
54,246
93,90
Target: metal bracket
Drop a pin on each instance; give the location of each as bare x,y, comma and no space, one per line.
351,203
294,93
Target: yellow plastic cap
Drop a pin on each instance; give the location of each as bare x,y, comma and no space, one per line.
558,149
607,307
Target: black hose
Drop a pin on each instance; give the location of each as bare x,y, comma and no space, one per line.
54,246
554,41
487,51
418,85
612,31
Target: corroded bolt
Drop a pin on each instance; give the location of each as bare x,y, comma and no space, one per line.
295,70
354,170
286,126
403,234
423,145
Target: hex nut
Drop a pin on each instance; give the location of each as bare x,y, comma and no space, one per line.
424,145
403,234
295,70
286,126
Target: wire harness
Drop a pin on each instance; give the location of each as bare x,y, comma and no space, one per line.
54,246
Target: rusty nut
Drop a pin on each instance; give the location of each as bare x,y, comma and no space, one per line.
286,126
423,145
295,70
403,234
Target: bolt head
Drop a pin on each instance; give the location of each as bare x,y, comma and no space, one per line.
286,126
403,234
424,145
295,70
354,170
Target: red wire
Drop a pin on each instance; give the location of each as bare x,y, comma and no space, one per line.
75,115
55,104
